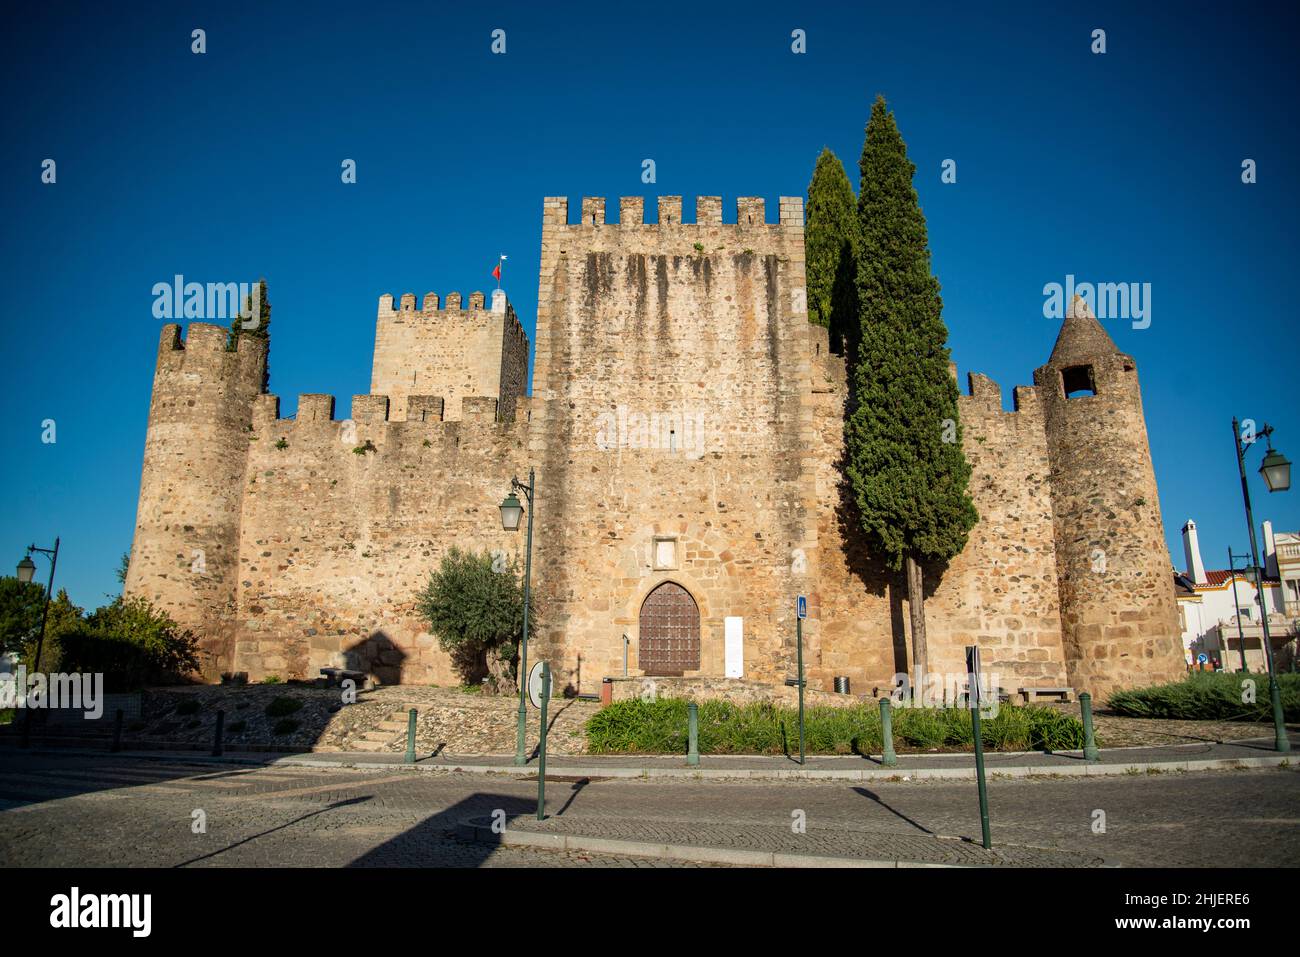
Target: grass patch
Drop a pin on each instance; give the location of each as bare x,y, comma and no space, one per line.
1210,696
659,727
282,706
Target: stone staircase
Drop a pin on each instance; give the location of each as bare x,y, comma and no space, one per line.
390,731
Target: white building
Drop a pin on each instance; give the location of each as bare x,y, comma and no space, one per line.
1209,602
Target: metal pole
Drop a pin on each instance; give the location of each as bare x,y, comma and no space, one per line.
410,736
521,758
541,759
1241,637
45,613
216,740
798,629
1089,742
888,758
693,734
1280,741
40,639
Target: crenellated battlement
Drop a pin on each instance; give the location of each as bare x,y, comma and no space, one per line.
433,307
317,409
750,212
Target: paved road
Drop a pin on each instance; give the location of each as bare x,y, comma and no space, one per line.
77,810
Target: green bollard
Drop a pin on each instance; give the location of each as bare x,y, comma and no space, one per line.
889,759
541,751
798,624
693,734
410,736
1089,742
979,773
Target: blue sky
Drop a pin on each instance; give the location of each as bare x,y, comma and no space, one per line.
1122,167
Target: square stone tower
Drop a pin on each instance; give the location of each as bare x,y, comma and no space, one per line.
447,351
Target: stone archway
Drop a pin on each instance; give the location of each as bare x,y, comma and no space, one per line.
669,634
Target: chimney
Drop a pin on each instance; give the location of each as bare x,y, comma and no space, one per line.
1270,552
1192,552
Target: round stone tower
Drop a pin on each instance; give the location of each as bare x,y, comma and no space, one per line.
1119,617
185,554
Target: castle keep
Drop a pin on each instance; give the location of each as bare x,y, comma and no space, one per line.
686,426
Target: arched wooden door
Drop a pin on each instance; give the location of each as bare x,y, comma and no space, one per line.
670,631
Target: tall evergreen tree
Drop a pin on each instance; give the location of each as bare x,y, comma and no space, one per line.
256,323
830,245
905,462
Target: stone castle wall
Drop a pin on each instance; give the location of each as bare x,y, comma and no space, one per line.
1001,592
184,553
670,401
686,426
336,543
449,351
1119,613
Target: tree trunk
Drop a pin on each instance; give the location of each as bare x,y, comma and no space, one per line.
916,615
501,675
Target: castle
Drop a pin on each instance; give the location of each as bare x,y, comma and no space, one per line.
686,427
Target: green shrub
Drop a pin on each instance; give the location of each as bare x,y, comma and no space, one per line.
660,727
1209,696
132,644
189,706
236,726
282,706
285,726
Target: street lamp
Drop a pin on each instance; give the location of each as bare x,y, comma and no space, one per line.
1276,471
511,512
26,569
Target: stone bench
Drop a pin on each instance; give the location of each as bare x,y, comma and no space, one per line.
334,677
1028,695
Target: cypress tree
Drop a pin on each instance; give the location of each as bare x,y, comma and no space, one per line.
259,326
905,462
830,245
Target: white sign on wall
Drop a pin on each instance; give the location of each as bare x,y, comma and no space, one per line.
734,647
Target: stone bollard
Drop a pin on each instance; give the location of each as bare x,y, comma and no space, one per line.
887,758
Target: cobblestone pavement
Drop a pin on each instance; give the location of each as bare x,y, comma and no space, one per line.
80,810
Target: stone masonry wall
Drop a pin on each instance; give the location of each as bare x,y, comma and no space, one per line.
1000,592
670,400
186,542
451,352
336,543
1119,614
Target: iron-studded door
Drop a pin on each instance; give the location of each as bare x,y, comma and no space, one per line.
670,631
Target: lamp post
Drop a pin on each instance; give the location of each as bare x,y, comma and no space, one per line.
511,512
1241,637
26,571
1276,471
